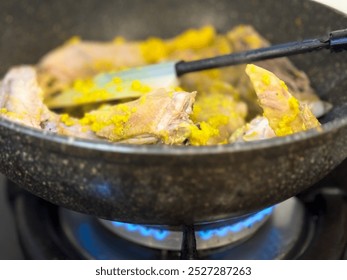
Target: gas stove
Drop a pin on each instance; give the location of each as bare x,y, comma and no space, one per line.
312,225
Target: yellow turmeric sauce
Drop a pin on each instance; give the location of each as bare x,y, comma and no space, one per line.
99,121
11,115
67,120
202,134
155,49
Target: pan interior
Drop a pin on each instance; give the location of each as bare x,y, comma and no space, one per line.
28,33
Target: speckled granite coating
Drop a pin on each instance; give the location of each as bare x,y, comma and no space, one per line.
167,185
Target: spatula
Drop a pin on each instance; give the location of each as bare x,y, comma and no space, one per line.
135,82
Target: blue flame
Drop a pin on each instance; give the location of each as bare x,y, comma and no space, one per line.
160,234
237,227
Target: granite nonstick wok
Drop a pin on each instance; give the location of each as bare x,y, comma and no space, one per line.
162,184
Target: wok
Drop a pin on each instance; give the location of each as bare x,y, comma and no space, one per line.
161,184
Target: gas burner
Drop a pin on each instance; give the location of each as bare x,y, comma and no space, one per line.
269,234
166,239
312,225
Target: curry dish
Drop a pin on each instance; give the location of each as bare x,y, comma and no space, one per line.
221,106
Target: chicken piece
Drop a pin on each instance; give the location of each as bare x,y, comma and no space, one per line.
21,97
283,114
65,125
21,100
79,60
257,129
286,115
158,117
243,38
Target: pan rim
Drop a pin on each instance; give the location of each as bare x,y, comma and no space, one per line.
167,150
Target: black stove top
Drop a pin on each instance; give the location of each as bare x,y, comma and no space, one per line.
312,225
9,245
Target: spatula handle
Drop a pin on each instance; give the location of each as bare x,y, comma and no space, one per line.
336,41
